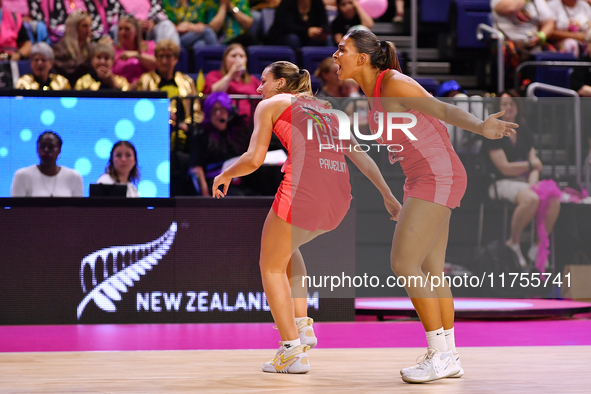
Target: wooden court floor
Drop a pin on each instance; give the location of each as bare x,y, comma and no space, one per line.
488,370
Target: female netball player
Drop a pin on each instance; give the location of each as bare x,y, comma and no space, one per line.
312,199
435,184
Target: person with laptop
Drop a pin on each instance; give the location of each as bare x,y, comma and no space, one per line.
122,168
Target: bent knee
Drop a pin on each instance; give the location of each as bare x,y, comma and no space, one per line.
529,198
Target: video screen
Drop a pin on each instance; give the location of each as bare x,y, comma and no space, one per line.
88,126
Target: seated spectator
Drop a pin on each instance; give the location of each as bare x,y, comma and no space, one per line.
580,81
133,55
230,19
399,17
72,53
327,73
41,64
60,10
101,77
175,84
350,14
517,170
122,168
34,20
14,40
573,18
300,23
190,24
151,16
47,179
233,78
526,26
220,137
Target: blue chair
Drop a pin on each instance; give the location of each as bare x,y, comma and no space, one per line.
470,13
24,67
313,56
557,76
209,58
436,11
260,56
183,63
429,84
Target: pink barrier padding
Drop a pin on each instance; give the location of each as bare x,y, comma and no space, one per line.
568,332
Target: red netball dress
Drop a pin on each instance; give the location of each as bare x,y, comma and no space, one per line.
315,192
432,168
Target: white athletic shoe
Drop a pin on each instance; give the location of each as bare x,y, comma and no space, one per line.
435,365
293,361
459,364
517,249
306,333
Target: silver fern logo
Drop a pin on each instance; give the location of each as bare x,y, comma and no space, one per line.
140,258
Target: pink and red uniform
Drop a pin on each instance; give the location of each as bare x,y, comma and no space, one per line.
315,192
433,170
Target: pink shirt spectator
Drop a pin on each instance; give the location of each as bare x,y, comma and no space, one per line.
234,88
16,6
139,8
131,68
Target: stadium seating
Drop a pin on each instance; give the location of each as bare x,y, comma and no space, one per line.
260,56
435,11
470,13
209,58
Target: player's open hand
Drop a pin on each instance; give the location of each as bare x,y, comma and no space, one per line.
220,180
393,206
493,128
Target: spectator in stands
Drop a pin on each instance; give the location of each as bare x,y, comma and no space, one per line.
526,25
72,53
122,168
151,16
41,64
300,23
14,40
175,84
133,55
517,169
222,136
327,73
580,81
233,78
188,18
573,18
47,179
101,76
230,19
60,10
399,17
34,25
350,14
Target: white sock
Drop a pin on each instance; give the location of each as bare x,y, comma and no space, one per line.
436,339
289,345
450,340
299,319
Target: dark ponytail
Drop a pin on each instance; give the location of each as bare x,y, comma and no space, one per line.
382,54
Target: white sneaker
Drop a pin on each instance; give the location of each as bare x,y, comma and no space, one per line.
532,253
459,364
456,359
293,361
306,333
435,365
517,250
